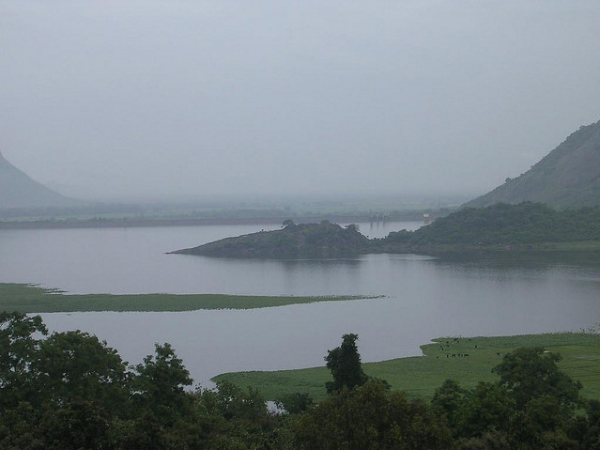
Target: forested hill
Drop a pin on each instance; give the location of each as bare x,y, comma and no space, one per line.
568,177
310,240
17,190
501,224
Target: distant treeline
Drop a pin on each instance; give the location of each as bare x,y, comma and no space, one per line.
164,214
82,210
504,224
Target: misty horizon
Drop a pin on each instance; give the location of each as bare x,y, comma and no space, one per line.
186,100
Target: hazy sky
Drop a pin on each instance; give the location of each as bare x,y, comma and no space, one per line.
177,97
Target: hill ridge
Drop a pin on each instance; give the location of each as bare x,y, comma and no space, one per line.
19,190
567,177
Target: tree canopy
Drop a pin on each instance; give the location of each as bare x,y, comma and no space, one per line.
345,366
70,391
503,224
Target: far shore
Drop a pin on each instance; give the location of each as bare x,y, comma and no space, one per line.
132,222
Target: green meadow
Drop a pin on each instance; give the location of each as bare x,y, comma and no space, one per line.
467,360
32,299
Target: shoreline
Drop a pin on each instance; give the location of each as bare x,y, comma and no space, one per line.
166,222
467,360
31,299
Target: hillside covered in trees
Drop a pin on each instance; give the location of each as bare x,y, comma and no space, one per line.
568,177
500,224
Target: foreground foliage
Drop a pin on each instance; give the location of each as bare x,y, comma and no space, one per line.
71,391
532,406
371,417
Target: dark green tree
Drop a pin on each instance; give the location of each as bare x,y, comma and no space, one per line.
239,418
345,366
487,408
545,398
18,350
76,365
448,399
159,386
530,373
370,417
295,403
353,228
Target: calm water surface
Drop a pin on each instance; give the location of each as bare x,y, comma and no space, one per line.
426,297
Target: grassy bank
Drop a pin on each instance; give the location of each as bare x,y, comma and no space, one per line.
420,376
31,299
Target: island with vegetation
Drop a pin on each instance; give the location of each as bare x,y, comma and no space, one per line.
497,228
25,298
310,240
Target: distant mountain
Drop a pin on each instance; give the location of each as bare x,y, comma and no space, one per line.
568,177
17,190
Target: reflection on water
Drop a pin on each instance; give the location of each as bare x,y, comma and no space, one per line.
582,266
426,297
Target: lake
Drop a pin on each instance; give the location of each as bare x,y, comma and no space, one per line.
425,297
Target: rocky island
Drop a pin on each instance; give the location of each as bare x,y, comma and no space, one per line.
308,240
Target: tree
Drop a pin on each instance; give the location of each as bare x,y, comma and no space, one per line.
160,381
288,223
345,366
295,403
353,228
18,350
530,373
488,408
374,418
449,399
76,365
545,398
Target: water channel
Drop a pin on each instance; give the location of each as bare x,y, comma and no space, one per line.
425,297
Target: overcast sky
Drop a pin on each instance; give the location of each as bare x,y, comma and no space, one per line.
177,97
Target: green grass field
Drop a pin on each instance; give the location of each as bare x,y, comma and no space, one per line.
32,299
420,376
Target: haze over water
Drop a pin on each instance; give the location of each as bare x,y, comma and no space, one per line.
426,297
